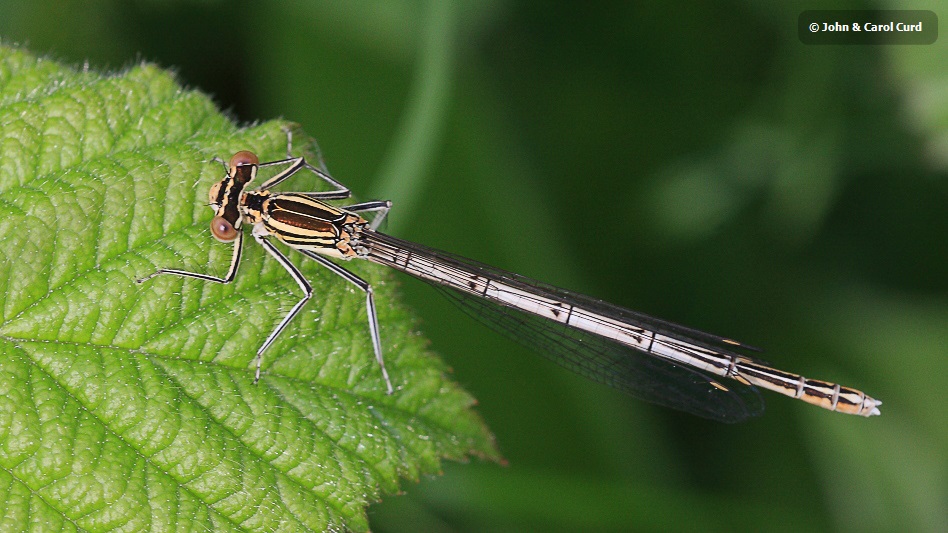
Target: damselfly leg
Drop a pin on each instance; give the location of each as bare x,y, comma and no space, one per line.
365,287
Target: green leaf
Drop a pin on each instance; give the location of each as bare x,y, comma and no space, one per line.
133,407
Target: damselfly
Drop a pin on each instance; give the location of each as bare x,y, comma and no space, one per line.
645,357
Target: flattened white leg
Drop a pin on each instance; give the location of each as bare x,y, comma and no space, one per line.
300,280
369,309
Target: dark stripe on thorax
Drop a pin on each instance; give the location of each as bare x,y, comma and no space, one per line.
306,207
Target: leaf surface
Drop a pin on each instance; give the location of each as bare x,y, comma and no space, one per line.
132,407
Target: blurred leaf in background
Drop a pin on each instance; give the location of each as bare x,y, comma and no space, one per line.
696,163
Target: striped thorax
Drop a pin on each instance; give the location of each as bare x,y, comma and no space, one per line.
302,222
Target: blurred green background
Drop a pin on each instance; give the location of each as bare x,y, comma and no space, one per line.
693,162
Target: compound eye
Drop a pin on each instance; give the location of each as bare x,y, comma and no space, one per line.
244,158
223,230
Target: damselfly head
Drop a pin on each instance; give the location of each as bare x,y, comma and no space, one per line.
224,196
